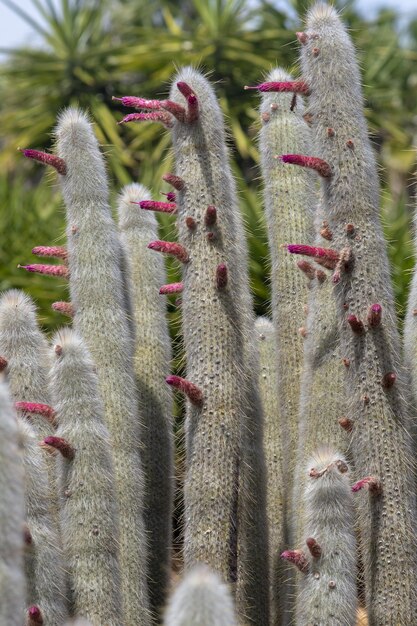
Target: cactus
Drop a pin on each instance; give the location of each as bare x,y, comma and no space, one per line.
101,320
12,579
269,389
151,361
328,593
380,444
89,515
200,598
45,567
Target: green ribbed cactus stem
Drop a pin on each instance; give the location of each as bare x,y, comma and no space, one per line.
101,320
45,566
369,337
12,575
218,337
266,337
202,599
152,357
89,514
323,377
328,593
289,204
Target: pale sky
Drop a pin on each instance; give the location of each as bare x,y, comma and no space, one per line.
15,31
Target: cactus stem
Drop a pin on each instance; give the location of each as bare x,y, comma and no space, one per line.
50,270
156,116
319,165
388,380
294,86
162,207
307,268
356,324
35,617
44,410
221,276
328,257
374,315
346,424
190,223
188,388
169,247
314,547
3,363
297,558
52,443
59,252
210,217
48,159
369,482
171,288
66,308
175,181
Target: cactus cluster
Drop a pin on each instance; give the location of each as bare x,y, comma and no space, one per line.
286,419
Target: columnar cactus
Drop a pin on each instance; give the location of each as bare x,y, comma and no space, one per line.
200,598
146,275
89,514
370,342
273,443
328,593
12,579
101,320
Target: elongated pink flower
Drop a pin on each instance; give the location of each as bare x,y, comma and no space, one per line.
292,86
314,163
171,288
188,388
46,158
170,247
49,270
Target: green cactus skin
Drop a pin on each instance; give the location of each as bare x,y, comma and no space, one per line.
322,383
328,593
12,577
380,444
218,337
89,516
44,562
146,273
266,337
289,207
100,318
202,599
26,350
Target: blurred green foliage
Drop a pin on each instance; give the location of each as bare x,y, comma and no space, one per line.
90,50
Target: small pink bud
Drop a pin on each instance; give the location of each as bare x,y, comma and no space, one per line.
374,315
171,196
35,617
49,270
171,288
356,324
58,350
162,207
210,217
314,547
297,558
169,247
27,535
221,276
314,163
52,443
346,424
193,393
292,86
176,181
3,363
190,222
37,408
302,38
66,308
388,380
307,268
48,159
369,482
325,231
